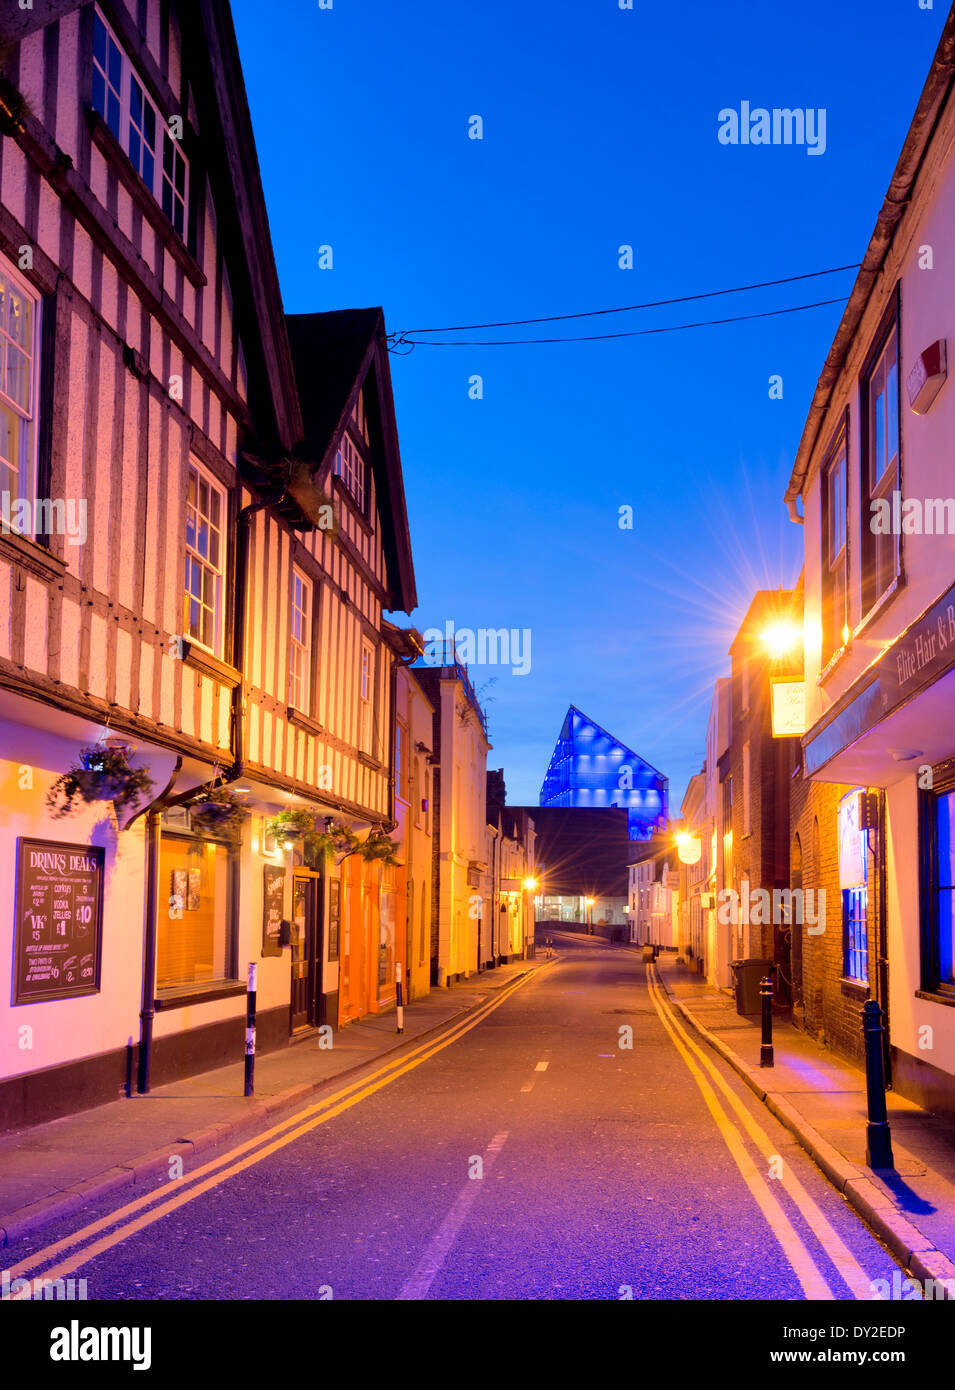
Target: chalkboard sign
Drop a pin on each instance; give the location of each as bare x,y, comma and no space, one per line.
59,920
273,910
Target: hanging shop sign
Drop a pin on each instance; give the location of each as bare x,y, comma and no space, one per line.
852,842
59,920
789,708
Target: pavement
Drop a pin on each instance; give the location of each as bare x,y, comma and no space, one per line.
51,1170
555,1144
821,1099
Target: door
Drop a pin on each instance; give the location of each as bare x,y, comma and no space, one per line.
306,951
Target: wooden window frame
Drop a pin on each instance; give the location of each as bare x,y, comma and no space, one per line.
850,949
192,992
834,631
157,184
207,476
30,487
887,482
302,706
932,985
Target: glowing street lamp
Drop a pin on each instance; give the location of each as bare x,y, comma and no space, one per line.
780,639
590,927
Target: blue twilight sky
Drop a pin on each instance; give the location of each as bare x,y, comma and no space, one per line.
600,130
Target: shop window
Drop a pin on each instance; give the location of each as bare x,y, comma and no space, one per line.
196,927
938,883
855,941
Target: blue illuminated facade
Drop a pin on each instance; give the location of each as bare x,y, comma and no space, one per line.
591,768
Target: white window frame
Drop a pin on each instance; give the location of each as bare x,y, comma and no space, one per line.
26,469
366,695
301,610
196,559
160,181
350,467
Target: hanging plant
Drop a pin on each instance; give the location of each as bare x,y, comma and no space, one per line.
102,773
336,841
216,811
290,825
379,846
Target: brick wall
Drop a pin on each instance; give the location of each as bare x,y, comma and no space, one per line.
826,1005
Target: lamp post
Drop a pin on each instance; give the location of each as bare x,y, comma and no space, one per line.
530,886
590,925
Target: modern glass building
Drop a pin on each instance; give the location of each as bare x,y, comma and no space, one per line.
591,768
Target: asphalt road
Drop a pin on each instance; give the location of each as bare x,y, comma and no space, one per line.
534,1157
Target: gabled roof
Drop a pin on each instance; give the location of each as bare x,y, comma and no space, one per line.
334,355
567,732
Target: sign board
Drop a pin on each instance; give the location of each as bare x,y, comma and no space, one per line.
789,708
334,916
59,920
273,909
852,842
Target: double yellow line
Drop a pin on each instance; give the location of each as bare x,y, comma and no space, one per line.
135,1216
810,1277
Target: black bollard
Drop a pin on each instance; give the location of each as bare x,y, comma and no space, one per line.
766,1058
878,1150
250,1031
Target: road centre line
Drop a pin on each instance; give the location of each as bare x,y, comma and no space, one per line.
439,1247
328,1109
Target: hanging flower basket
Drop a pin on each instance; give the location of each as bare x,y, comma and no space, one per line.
335,842
101,773
290,825
379,846
217,811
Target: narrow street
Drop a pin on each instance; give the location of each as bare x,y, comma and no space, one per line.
609,1172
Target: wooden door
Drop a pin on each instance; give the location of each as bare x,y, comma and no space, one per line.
306,951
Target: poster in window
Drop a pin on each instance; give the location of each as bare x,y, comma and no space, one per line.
852,842
334,916
192,892
177,893
273,909
59,920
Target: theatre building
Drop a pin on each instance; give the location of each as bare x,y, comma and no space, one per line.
203,521
873,472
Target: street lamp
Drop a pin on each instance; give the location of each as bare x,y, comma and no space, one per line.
590,927
781,638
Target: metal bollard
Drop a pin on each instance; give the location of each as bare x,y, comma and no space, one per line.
250,1030
399,1003
766,1057
878,1150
